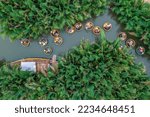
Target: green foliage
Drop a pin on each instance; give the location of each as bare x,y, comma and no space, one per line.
91,71
135,15
33,18
2,62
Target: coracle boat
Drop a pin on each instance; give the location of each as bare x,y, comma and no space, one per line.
43,42
130,43
78,26
89,26
107,26
96,30
140,50
25,42
48,50
58,40
55,33
122,36
70,30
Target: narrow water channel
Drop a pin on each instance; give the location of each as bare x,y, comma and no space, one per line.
12,51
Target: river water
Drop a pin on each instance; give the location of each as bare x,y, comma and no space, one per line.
12,51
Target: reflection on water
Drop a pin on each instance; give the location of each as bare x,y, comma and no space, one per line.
14,51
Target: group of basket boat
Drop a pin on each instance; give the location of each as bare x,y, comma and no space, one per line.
58,40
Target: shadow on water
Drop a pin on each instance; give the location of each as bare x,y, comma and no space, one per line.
14,51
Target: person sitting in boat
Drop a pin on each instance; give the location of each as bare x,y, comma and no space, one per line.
140,50
130,43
